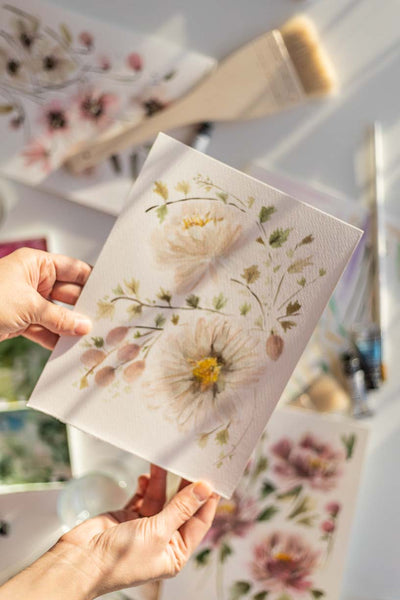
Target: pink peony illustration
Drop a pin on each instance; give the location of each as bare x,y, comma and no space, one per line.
284,562
233,517
328,526
54,117
309,461
333,508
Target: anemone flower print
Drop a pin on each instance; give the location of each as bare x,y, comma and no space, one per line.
234,517
12,66
51,63
96,107
54,117
195,241
200,370
310,460
284,562
25,31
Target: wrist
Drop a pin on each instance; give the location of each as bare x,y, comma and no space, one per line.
63,572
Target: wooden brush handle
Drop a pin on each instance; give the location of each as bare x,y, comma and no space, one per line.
181,112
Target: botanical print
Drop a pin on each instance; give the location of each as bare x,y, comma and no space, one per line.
33,448
62,81
202,301
277,537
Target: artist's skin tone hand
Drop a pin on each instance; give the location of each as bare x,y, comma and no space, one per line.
139,543
29,281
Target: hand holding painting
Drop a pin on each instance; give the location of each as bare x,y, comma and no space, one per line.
142,541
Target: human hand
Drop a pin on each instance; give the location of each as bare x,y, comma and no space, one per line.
29,281
143,541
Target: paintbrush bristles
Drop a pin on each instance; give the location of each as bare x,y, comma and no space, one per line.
311,62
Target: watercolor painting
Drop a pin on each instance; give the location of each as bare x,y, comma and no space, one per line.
284,533
202,301
63,80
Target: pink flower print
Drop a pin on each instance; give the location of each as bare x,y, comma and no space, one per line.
333,508
54,117
309,461
37,154
328,526
135,61
86,39
233,517
283,561
97,107
104,63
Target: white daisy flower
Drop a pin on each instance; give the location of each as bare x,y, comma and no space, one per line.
51,63
195,241
12,66
201,371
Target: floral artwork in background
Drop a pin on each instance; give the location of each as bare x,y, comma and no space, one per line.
278,538
202,300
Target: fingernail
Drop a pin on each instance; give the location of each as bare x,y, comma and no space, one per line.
202,491
82,326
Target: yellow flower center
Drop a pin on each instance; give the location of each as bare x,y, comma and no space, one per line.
196,220
283,557
317,463
206,371
226,508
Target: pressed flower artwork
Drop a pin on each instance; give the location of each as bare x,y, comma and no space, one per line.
280,537
202,300
64,78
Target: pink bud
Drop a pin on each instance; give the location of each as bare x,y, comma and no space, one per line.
328,526
333,508
134,61
86,39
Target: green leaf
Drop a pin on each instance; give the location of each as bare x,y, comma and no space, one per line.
98,341
292,493
286,325
276,269
284,597
322,272
159,320
222,437
6,109
223,196
192,301
202,557
303,505
183,186
250,201
162,212
244,308
349,444
105,310
169,75
161,189
292,308
278,237
83,383
251,274
259,322
66,34
260,241
219,301
132,286
261,465
175,319
267,513
307,240
298,265
239,589
302,281
118,291
260,595
267,489
265,213
317,593
224,552
164,295
134,309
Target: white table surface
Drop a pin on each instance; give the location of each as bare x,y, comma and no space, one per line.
319,143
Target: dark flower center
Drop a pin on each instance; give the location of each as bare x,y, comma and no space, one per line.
93,108
49,63
152,106
56,119
13,66
26,39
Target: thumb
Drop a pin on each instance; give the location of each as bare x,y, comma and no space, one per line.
59,319
184,505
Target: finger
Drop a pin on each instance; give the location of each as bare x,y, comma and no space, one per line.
70,270
66,292
193,531
154,499
42,336
184,505
59,319
143,482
